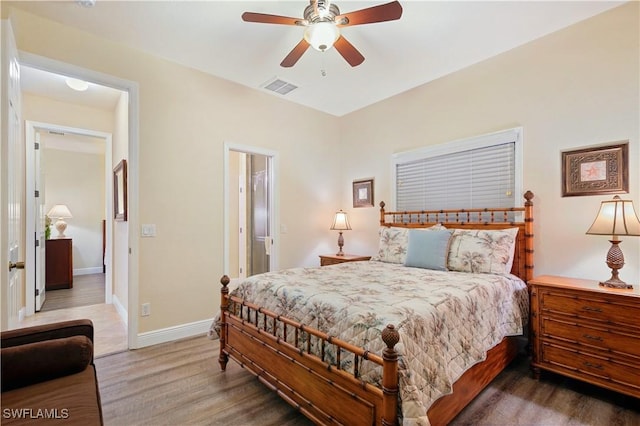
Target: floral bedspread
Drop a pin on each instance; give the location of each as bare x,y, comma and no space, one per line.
447,320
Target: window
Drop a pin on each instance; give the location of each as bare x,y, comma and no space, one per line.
483,171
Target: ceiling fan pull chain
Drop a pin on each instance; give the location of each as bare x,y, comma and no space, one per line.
323,69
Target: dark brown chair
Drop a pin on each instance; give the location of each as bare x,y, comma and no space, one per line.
48,375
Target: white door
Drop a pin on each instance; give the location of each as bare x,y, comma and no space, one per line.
35,225
13,177
39,234
242,215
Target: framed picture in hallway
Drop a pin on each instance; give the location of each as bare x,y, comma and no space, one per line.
120,191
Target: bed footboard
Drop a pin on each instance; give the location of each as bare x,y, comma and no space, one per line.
294,360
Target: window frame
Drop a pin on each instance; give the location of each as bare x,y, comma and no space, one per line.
475,142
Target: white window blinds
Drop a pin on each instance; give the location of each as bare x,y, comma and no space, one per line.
475,173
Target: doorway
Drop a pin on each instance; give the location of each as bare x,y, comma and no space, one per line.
95,240
120,288
250,211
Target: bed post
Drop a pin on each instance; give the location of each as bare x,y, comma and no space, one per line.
390,336
224,307
528,236
382,221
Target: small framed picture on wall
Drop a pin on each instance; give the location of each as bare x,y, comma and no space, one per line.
363,193
120,191
596,170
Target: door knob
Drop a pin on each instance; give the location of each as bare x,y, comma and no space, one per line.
17,265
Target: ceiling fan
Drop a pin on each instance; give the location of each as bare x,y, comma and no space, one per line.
323,21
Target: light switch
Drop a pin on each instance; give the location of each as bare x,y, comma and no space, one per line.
149,230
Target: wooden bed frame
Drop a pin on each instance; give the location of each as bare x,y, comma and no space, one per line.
327,394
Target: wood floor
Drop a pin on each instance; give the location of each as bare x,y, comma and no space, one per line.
180,383
86,290
85,301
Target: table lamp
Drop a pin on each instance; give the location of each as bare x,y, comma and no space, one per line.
60,212
340,223
616,217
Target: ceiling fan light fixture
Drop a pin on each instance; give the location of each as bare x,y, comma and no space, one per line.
321,35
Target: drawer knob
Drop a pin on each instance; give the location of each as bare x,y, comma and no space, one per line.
590,309
590,337
598,366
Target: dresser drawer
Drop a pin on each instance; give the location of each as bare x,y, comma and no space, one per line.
600,370
593,306
609,339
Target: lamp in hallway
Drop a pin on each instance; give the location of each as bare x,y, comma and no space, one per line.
340,223
60,212
616,217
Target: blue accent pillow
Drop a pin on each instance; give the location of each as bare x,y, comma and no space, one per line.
428,249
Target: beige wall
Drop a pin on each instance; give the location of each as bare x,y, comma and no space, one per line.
185,118
574,88
46,110
76,179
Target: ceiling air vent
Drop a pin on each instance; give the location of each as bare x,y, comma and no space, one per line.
279,86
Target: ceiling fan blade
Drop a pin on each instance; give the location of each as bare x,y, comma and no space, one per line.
265,18
348,52
295,54
384,12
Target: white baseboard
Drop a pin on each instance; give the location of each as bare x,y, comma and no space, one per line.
122,311
87,271
174,333
22,313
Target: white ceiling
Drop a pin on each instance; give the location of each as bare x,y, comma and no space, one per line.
431,39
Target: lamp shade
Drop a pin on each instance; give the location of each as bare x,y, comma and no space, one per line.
616,217
59,211
340,222
321,35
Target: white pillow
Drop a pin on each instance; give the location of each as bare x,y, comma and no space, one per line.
482,251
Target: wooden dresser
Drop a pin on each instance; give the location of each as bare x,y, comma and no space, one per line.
59,263
332,259
585,331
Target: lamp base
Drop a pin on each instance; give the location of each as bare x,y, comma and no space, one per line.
615,283
340,244
615,261
61,225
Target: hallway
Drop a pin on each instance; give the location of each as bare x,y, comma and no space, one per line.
85,300
86,290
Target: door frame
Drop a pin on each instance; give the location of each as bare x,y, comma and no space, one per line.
133,180
274,211
30,131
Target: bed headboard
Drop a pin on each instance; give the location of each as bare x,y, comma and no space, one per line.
487,218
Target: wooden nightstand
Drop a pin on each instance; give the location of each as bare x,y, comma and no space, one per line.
332,259
587,332
58,263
